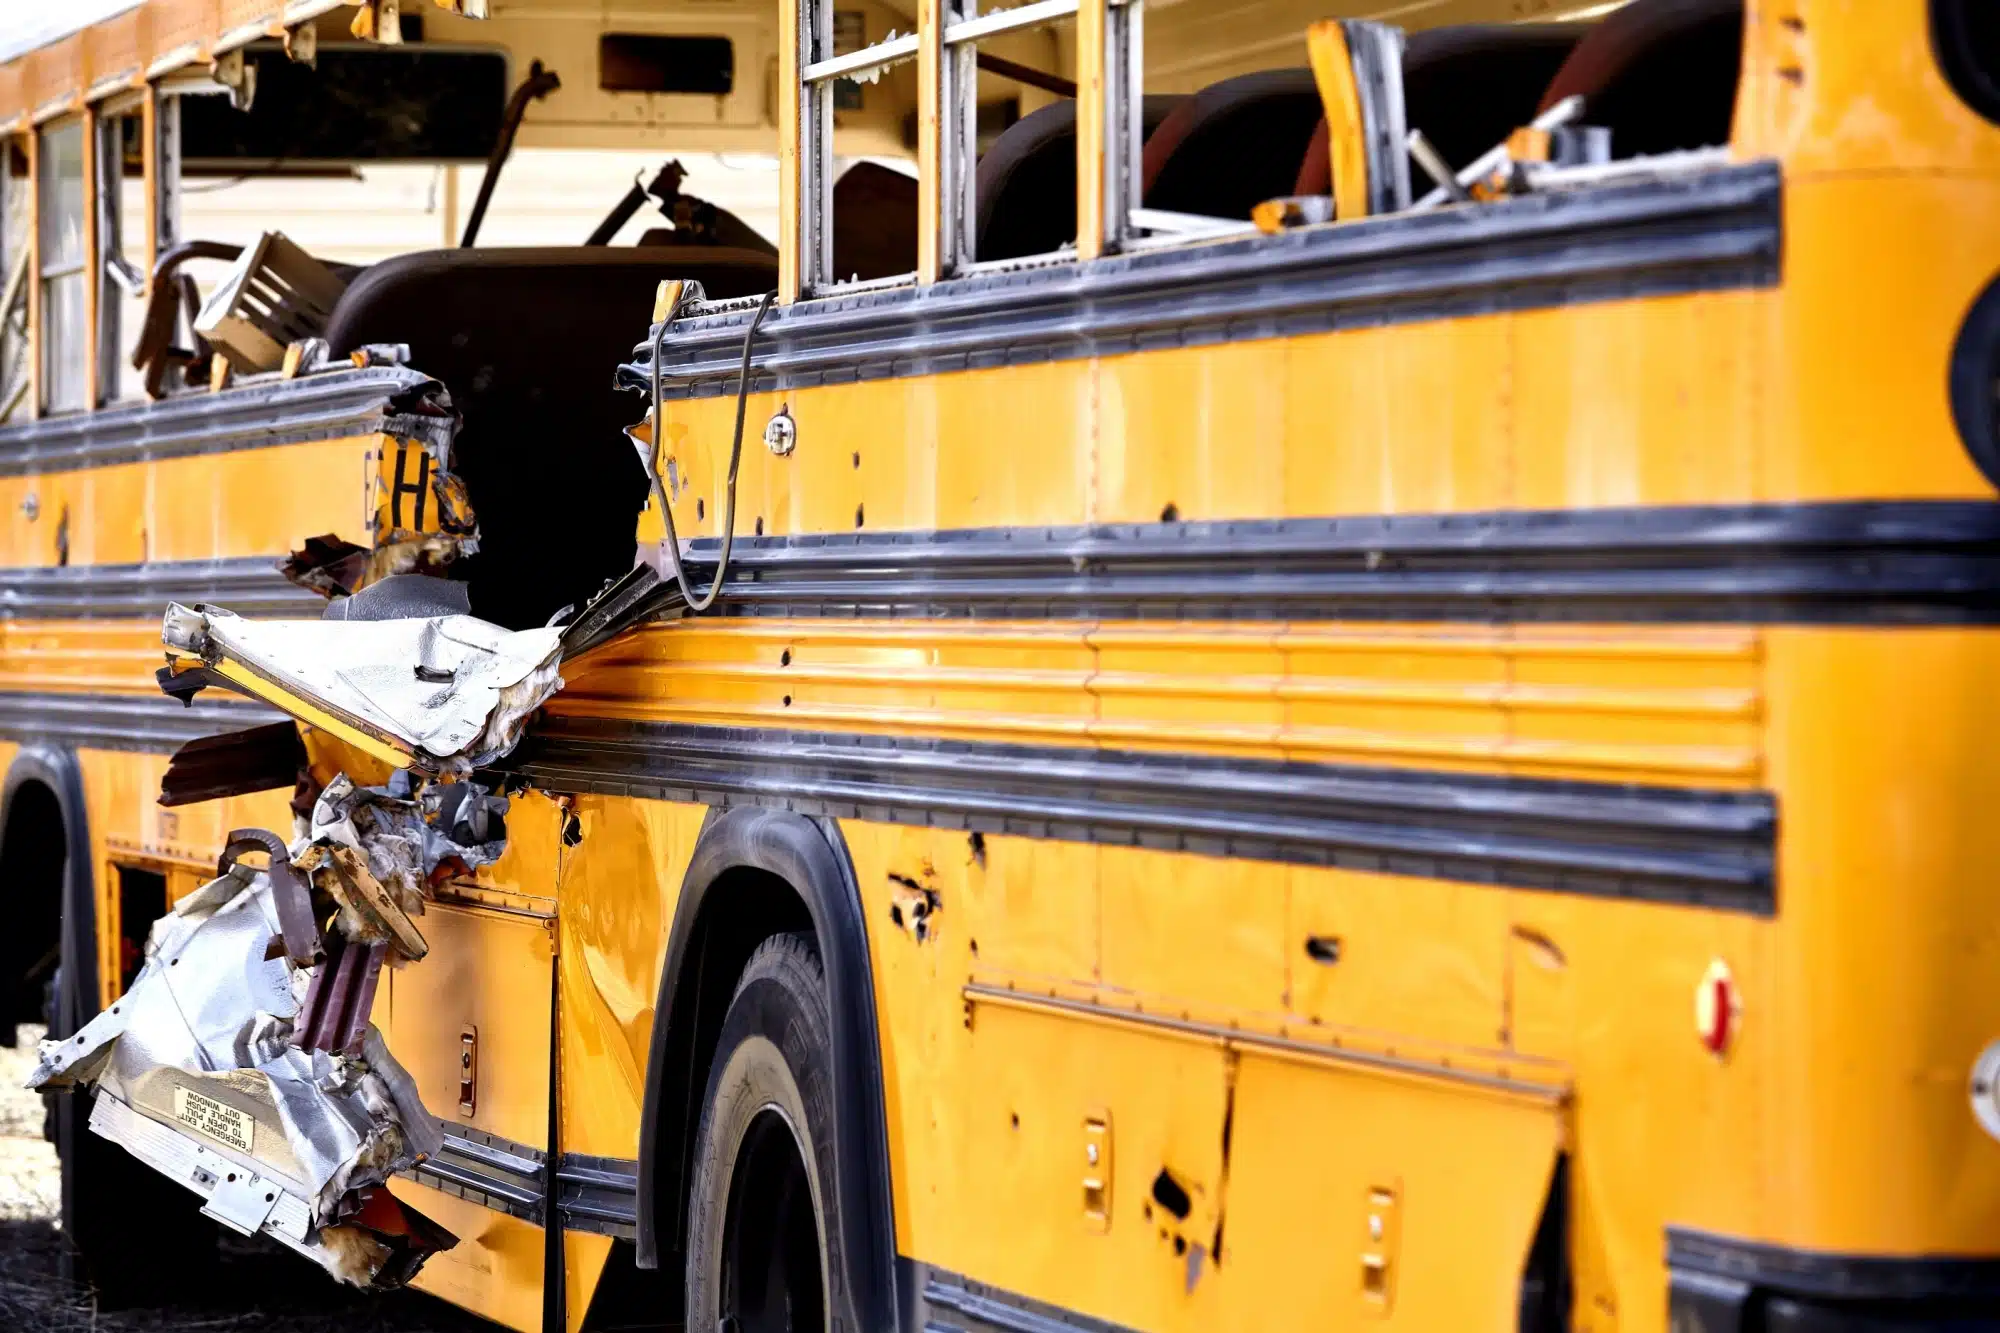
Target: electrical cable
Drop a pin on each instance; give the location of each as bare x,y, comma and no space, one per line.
696,605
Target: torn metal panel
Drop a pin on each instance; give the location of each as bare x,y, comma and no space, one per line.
384,848
641,595
200,1073
242,1061
422,520
326,565
235,763
403,597
446,695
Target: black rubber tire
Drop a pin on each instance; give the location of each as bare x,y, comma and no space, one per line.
763,1176
137,1238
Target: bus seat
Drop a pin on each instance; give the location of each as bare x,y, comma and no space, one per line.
1024,192
874,222
1232,145
1661,73
523,339
1466,86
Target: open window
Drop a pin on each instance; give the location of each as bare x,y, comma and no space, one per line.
119,202
820,78
1015,203
1374,122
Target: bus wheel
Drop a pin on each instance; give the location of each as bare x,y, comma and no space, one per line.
136,1237
761,1258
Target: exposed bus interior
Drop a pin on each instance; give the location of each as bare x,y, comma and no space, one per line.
1232,136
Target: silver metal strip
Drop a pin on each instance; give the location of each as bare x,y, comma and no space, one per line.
1316,1052
879,56
1008,20
599,1195
142,722
248,585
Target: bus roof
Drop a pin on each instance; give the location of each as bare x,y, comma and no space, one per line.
57,55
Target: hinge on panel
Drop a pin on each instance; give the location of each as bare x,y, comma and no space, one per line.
1380,1237
468,1069
1097,1171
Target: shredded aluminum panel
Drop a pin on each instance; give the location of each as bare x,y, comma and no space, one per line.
199,1072
451,693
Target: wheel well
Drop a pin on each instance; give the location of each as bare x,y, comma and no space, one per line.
743,907
756,873
33,856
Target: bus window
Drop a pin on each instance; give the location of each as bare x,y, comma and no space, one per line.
17,215
355,102
65,332
1016,199
630,62
121,280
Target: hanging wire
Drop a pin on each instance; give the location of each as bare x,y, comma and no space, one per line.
696,605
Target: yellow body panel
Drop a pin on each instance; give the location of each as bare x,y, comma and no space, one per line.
80,656
619,888
1468,1034
1625,703
248,502
494,982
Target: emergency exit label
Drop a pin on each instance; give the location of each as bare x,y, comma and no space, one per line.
205,1115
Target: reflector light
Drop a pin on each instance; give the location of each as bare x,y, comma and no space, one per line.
1718,1009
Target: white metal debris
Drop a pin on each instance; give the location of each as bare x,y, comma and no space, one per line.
447,694
201,1073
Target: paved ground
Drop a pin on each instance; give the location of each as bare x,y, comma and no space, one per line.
261,1286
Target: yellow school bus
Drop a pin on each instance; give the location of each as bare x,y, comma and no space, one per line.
1280,671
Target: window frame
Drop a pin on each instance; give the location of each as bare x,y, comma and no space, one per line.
944,46
103,270
79,269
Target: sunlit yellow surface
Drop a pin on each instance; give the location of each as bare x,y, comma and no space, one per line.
1864,999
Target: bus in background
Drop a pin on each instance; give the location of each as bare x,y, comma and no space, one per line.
1338,685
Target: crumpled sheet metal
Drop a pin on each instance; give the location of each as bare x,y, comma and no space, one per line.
410,834
385,847
448,694
201,1045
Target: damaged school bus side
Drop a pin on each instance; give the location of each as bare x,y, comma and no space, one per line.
241,1062
340,462
1276,747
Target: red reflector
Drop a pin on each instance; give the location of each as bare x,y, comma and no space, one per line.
1718,1010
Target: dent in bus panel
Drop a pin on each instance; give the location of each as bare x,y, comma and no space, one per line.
619,887
1422,960
1007,1136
